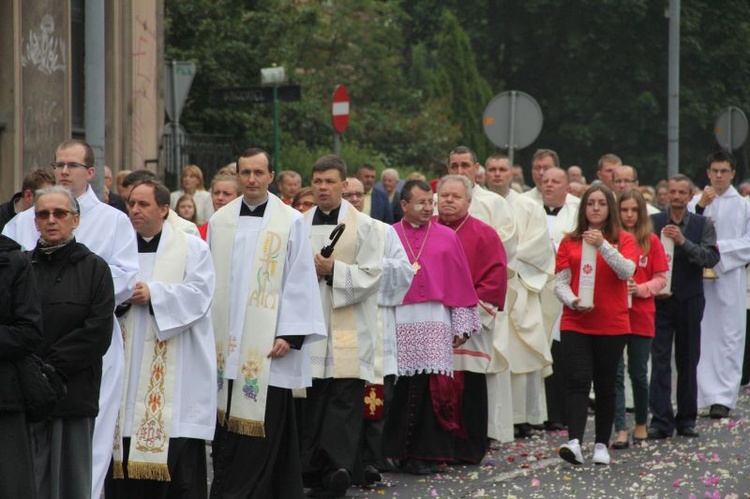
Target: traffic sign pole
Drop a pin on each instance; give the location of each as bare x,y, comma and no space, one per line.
339,115
276,139
512,141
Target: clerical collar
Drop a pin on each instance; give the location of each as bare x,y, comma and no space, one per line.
552,211
322,218
248,210
148,244
455,224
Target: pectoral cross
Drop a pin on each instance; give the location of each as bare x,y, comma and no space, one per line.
416,266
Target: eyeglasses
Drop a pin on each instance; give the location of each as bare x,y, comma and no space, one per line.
305,204
60,165
59,214
349,195
723,171
421,206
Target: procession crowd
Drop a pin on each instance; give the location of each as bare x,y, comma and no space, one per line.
319,336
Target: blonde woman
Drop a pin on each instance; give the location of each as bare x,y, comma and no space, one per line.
192,183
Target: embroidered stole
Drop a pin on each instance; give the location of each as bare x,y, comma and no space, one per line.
249,390
149,443
343,322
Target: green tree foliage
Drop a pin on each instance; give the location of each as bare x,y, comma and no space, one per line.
420,73
459,83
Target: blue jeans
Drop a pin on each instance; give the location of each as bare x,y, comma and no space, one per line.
639,349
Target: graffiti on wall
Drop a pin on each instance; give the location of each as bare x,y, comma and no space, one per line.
44,50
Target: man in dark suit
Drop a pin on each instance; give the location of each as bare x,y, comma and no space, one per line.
679,314
376,201
112,198
391,184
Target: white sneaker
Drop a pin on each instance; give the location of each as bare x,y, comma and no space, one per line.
601,454
571,452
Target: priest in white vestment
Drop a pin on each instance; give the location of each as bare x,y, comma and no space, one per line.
530,357
267,316
723,324
396,278
107,232
168,408
562,213
138,176
349,281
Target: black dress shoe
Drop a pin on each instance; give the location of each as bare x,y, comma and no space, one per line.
657,434
371,475
553,426
416,467
719,411
337,482
688,432
620,445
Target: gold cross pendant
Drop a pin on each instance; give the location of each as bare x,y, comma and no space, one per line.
416,266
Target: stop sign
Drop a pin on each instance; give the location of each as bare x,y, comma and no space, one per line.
340,110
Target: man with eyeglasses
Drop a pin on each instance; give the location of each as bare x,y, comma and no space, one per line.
107,232
626,177
438,314
723,324
397,277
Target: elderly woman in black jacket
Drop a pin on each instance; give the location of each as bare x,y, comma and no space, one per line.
20,334
77,305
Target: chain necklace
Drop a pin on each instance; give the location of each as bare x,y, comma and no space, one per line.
461,224
416,266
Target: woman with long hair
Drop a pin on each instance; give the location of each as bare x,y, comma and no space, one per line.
593,337
186,208
648,280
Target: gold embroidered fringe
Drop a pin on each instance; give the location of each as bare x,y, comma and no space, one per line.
247,427
117,472
222,417
148,471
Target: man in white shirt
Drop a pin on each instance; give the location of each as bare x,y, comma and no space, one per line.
723,324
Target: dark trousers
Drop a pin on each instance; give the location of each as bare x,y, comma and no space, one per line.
678,322
470,445
639,350
16,466
371,442
186,461
248,467
591,357
554,386
332,419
